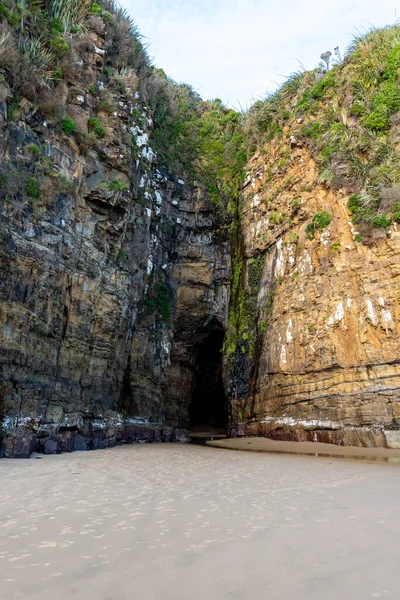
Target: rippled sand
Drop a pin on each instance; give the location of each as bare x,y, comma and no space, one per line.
179,522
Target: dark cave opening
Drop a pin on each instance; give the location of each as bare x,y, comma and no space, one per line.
208,407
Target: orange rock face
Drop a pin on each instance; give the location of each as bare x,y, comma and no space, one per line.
325,364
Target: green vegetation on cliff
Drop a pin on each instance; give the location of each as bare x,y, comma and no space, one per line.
349,118
39,44
201,140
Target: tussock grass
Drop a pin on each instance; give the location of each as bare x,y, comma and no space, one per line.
349,119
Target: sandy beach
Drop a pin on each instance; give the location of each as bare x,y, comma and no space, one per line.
179,522
314,449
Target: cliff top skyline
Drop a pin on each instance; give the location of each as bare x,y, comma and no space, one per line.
243,49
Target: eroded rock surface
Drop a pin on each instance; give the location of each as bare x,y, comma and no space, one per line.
118,276
325,364
103,284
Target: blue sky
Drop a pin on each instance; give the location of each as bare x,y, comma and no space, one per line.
238,50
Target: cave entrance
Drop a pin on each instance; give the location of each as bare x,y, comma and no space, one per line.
208,407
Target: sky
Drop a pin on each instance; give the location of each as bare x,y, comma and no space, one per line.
240,50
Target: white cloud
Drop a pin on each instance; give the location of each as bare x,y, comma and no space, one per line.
238,50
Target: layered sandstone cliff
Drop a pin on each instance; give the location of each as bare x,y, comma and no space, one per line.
314,326
110,273
140,227
325,364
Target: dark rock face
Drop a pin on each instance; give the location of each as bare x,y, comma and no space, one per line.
102,291
21,445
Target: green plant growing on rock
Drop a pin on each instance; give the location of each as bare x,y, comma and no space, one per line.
36,54
67,15
319,222
311,130
32,189
107,107
276,218
163,302
57,74
96,9
8,15
149,306
382,221
116,185
96,126
68,126
377,120
357,109
295,205
353,203
34,150
322,219
59,45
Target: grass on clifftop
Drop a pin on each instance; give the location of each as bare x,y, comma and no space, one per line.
349,117
42,41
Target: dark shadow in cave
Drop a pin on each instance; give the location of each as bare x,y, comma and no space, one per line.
208,407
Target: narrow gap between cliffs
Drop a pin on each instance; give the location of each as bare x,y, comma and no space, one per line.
208,410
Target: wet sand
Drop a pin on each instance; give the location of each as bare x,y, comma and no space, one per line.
185,522
315,449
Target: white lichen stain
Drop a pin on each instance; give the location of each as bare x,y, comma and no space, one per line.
140,137
166,346
325,238
280,260
338,316
305,264
291,254
387,319
371,314
289,334
148,153
143,181
283,355
353,230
